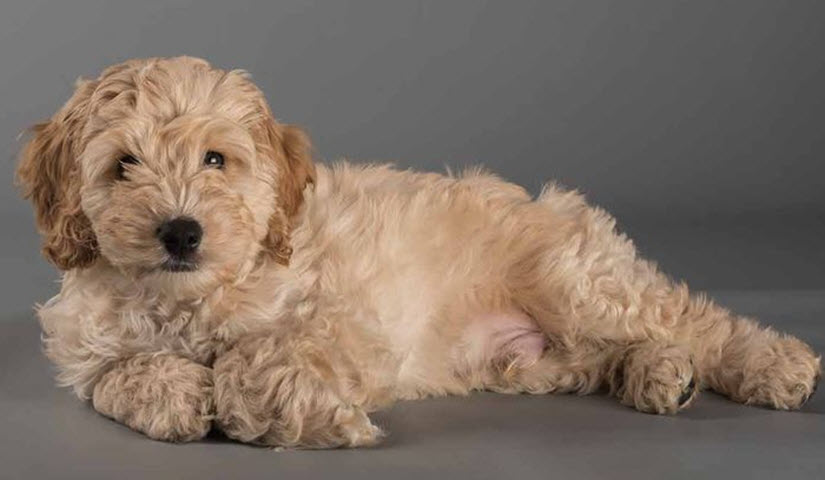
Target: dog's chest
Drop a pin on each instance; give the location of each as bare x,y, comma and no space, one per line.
186,330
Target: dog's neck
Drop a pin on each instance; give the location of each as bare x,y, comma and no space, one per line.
178,289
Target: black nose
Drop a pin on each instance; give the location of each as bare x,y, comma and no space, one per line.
181,236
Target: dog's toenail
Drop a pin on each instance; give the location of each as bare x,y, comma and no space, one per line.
809,395
687,392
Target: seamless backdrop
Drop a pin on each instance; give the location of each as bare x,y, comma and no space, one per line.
682,117
685,118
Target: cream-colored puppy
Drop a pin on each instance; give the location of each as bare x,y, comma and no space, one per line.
216,277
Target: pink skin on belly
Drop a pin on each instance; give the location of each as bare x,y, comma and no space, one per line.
511,334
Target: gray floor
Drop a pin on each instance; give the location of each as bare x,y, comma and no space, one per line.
46,433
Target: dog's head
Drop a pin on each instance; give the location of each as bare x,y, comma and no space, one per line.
165,168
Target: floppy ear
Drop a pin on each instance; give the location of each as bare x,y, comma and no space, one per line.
291,151
50,177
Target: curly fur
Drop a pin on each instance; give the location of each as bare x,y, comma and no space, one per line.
165,396
325,292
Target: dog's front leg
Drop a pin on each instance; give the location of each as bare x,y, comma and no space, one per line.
288,392
165,396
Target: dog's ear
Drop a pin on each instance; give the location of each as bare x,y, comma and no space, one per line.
49,174
297,169
291,151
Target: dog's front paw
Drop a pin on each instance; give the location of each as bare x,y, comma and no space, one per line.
782,373
165,397
658,379
273,396
355,428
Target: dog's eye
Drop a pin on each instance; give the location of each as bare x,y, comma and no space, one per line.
121,165
213,159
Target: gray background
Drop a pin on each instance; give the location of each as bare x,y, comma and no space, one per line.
698,124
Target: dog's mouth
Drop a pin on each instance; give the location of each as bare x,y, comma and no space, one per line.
179,265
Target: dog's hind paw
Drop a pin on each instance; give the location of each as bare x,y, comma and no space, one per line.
658,379
781,374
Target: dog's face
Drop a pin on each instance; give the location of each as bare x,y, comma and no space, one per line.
169,169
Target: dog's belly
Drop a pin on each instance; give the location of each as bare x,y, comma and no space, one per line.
507,336
441,363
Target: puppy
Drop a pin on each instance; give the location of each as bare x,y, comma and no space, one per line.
216,277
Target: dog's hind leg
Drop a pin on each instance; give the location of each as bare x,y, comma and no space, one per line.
747,362
652,377
557,370
584,284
